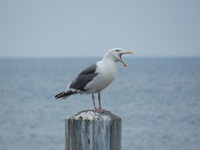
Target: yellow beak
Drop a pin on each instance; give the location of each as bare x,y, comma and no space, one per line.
128,53
123,61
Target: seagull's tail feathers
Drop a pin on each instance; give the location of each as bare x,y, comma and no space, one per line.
65,94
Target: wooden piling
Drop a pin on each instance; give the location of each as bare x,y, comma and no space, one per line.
88,130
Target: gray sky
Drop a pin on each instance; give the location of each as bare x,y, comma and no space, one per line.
46,28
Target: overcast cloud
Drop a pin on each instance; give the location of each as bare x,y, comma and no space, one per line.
48,28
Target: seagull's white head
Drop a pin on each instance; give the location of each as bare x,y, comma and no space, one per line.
116,55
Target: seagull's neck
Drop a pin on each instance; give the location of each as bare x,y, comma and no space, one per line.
108,59
108,66
109,63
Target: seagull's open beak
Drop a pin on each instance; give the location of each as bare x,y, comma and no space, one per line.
121,58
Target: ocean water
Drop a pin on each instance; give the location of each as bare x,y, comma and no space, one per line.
158,100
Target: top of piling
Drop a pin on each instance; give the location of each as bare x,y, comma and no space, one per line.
91,115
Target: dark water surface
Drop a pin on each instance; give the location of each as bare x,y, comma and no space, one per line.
158,100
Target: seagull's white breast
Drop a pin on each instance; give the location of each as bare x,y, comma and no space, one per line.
106,70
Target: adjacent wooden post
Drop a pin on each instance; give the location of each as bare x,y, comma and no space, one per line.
88,130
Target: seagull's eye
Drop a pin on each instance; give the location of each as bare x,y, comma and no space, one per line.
117,50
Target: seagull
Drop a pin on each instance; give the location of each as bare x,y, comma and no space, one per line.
96,77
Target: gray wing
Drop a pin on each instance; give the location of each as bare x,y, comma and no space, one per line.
84,78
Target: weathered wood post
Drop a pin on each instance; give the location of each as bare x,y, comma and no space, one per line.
88,130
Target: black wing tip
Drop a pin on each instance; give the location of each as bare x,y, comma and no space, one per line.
64,94
60,95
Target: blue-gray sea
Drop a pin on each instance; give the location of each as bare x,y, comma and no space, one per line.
158,100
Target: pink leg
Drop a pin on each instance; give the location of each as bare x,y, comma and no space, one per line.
99,109
93,101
